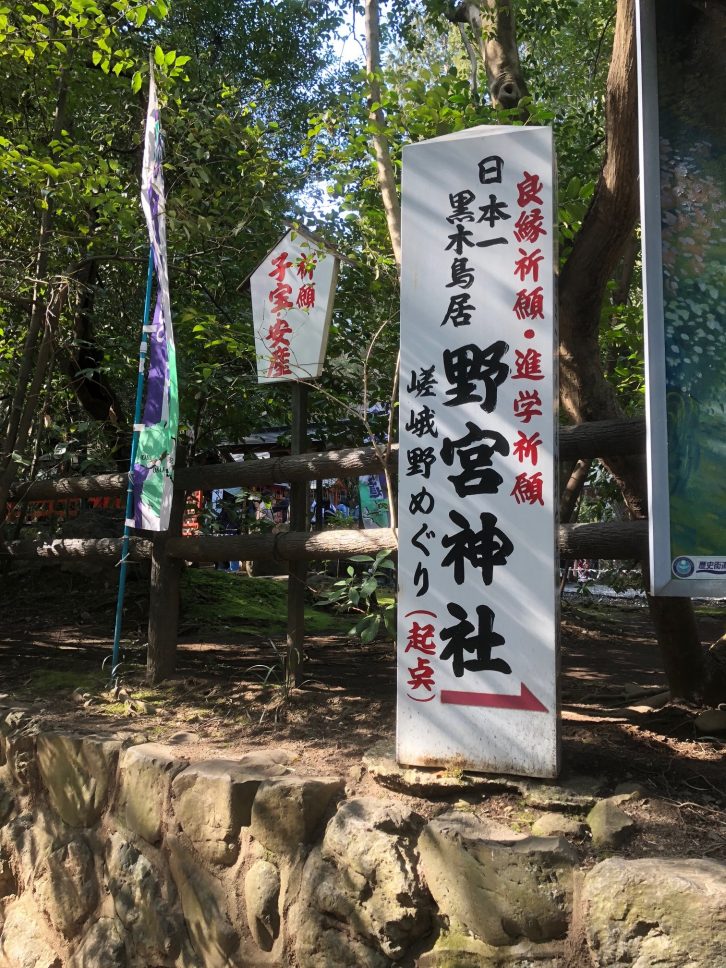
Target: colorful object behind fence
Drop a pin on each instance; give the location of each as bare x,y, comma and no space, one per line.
477,627
292,302
153,470
374,501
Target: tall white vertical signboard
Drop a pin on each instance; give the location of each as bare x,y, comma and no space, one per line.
477,632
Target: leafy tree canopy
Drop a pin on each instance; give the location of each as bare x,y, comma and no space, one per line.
261,120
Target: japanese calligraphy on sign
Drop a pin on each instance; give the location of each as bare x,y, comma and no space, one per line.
477,635
292,302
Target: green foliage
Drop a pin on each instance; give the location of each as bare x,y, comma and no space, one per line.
601,498
215,600
425,91
51,681
358,593
621,347
243,86
278,677
236,86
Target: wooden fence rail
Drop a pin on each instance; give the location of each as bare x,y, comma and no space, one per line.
611,540
603,438
610,438
101,485
70,548
301,467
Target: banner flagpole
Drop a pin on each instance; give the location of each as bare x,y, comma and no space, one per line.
145,329
153,445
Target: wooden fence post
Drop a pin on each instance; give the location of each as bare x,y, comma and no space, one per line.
164,592
297,570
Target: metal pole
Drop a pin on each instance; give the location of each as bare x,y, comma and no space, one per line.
130,486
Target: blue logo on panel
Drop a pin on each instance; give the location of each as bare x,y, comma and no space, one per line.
683,567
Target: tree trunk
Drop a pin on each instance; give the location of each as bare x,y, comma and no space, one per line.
70,548
492,23
619,437
100,485
81,366
675,626
612,539
573,489
38,305
381,147
31,397
32,371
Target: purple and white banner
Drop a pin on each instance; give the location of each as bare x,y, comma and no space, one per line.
153,471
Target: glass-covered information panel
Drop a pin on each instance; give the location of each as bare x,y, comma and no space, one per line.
683,187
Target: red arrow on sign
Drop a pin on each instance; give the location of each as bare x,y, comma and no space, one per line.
526,700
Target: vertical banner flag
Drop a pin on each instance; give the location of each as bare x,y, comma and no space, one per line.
478,606
153,472
374,501
292,303
683,201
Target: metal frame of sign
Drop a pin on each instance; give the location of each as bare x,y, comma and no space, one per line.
664,567
477,649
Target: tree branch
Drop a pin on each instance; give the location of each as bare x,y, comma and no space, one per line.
495,35
609,221
599,245
473,64
381,146
38,309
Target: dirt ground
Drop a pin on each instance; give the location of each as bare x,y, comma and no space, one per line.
227,698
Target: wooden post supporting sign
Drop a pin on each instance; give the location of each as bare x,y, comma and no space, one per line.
297,571
292,304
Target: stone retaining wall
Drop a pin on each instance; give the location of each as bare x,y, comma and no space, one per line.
127,856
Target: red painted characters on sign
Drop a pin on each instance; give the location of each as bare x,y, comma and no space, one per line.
280,329
283,299
420,638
